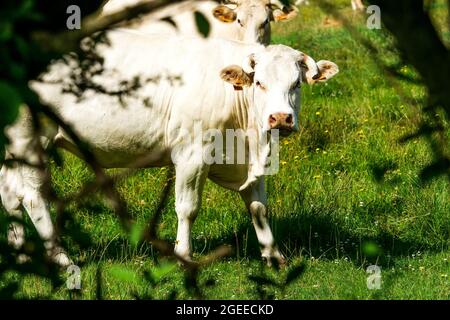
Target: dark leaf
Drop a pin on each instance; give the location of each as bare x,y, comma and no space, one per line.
202,23
260,280
295,272
10,103
8,291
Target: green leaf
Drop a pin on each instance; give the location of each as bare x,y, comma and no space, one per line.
371,249
136,233
10,102
9,108
163,270
202,23
124,274
6,30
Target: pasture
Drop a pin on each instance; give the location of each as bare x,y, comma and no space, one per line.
347,194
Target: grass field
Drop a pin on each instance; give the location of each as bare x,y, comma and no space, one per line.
330,205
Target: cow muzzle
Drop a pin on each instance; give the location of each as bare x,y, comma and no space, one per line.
284,122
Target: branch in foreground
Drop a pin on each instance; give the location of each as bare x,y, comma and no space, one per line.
67,41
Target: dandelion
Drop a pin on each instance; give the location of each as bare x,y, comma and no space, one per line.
283,162
318,113
317,149
317,176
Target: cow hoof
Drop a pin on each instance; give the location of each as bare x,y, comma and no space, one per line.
22,258
59,257
276,260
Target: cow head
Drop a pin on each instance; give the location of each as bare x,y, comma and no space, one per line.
251,18
274,75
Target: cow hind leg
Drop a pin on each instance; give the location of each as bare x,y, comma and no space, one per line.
12,204
36,206
255,200
20,189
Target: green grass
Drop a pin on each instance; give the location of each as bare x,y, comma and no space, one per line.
328,203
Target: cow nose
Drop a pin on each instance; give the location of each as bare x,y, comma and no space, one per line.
281,120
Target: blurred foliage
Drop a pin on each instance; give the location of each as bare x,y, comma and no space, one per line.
23,59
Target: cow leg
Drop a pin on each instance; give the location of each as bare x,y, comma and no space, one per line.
256,201
37,209
12,204
21,188
190,179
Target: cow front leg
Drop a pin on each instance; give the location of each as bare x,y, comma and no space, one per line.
255,199
189,182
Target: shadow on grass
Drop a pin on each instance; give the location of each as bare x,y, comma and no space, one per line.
306,234
311,232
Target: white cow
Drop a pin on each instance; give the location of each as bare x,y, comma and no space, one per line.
242,20
220,85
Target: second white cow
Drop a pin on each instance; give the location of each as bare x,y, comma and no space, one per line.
241,20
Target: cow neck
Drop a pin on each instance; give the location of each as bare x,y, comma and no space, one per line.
248,117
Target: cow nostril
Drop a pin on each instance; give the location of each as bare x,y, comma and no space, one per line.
289,119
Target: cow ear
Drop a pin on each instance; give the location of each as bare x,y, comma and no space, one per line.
327,70
235,75
224,14
284,14
310,69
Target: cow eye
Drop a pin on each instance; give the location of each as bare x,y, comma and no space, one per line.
258,84
240,22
